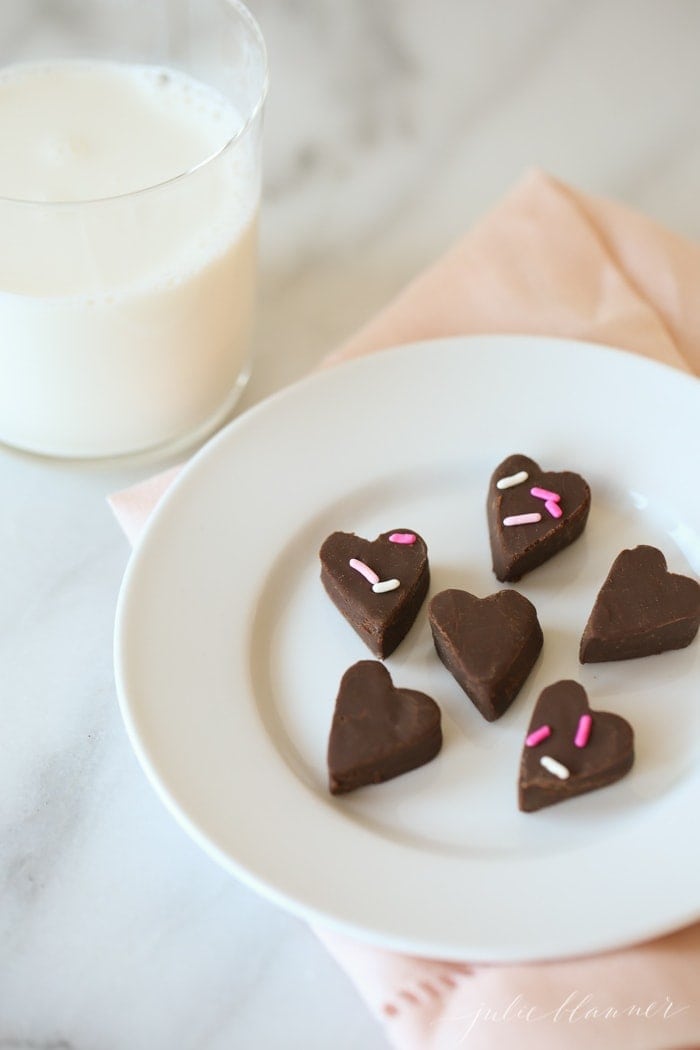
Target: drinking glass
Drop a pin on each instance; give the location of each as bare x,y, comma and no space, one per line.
129,196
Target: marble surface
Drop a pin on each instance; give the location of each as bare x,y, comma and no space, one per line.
391,126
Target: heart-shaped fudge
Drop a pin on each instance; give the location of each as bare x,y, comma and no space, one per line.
489,644
641,609
532,514
378,731
570,749
378,585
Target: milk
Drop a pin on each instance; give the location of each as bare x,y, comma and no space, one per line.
125,312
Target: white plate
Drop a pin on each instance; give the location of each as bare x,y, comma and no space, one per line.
229,653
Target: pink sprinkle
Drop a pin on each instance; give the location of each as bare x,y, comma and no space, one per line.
553,508
364,570
584,730
537,736
545,494
402,537
522,519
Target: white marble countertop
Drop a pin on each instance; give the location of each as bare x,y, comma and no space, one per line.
391,126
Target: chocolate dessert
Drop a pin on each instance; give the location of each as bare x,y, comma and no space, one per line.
570,749
489,644
642,609
532,514
378,731
378,585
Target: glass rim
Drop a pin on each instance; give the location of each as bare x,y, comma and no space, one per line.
253,114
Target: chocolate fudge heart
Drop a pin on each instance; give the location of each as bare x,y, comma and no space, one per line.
641,609
532,514
570,749
378,585
489,644
378,731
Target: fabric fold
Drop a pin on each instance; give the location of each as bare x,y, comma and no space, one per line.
549,260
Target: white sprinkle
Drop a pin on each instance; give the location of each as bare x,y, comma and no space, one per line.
522,519
385,585
514,479
552,766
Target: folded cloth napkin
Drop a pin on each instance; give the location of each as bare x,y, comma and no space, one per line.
548,260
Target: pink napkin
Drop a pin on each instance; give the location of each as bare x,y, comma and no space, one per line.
548,260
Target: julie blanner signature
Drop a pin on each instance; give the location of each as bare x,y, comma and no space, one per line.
576,1008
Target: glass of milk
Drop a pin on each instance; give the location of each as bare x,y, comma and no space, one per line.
129,192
